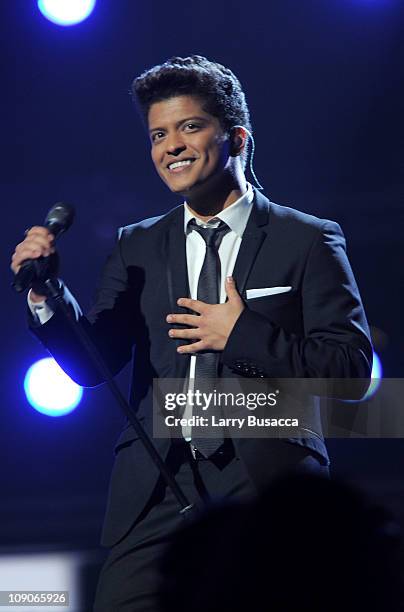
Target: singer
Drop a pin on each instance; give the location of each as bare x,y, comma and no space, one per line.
175,287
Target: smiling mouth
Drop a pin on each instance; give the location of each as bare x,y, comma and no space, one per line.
179,166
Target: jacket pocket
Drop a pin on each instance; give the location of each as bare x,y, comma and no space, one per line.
274,300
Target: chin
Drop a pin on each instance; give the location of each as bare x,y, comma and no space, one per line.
180,187
177,188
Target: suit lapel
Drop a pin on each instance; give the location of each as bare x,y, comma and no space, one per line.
177,278
253,237
176,260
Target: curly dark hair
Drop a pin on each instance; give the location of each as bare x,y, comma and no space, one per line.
217,87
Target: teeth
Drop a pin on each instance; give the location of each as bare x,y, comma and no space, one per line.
186,162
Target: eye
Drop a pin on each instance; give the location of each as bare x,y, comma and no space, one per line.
190,127
157,136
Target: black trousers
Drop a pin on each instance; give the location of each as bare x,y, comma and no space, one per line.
129,580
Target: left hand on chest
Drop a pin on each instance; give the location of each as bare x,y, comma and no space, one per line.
211,327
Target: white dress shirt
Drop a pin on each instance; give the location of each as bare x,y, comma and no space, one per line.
235,216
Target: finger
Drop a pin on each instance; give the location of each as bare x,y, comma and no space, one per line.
38,230
25,252
15,266
195,305
186,334
28,251
36,240
195,347
37,247
231,289
22,255
184,319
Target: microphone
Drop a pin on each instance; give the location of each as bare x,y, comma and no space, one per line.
58,220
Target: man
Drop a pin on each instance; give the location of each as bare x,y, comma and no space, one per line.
198,122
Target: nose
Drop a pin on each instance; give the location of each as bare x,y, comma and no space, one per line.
174,144
176,150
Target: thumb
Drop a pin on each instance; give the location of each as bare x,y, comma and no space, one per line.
231,289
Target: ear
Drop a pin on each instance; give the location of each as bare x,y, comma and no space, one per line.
238,139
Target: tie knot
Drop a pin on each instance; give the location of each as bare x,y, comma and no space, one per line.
211,235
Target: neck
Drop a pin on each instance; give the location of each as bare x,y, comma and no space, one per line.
220,196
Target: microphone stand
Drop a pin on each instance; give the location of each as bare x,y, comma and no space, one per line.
55,292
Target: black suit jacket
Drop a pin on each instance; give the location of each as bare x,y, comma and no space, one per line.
318,329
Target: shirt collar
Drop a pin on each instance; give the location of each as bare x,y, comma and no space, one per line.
236,215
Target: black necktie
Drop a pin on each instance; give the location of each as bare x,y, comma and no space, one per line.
209,292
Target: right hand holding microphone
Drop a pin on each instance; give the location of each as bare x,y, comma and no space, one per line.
35,260
38,243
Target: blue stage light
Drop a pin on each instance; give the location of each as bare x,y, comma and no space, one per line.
377,375
66,12
377,370
49,390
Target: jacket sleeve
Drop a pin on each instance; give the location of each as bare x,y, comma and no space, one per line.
335,342
109,324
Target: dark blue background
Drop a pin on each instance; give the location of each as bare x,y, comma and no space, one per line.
324,84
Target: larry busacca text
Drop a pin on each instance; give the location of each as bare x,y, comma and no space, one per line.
234,422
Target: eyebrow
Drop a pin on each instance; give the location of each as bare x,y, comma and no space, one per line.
195,117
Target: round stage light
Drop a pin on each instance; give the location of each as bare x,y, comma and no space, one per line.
49,390
66,12
376,379
377,375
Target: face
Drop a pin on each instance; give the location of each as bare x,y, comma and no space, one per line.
188,146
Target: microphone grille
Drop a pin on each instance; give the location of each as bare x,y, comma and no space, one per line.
60,217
